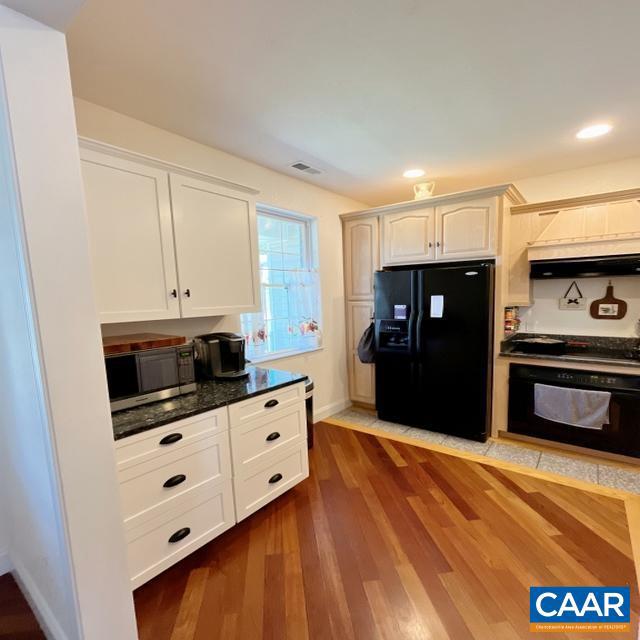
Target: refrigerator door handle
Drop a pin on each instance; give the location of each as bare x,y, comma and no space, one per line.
419,329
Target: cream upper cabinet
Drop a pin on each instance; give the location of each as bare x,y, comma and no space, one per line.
167,242
466,229
361,260
361,376
408,236
217,248
131,239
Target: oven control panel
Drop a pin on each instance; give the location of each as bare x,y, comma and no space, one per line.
592,379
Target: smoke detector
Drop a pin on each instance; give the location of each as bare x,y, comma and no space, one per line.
305,168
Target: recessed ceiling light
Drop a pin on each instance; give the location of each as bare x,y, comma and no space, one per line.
594,131
413,173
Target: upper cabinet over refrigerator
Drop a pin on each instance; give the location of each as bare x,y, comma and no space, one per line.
466,229
167,242
450,231
409,236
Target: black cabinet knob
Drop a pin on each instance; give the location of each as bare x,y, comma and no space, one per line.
271,403
180,534
174,293
171,438
174,481
275,478
273,436
187,292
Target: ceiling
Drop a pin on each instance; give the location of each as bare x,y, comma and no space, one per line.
473,92
55,13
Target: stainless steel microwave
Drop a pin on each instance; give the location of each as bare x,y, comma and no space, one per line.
138,377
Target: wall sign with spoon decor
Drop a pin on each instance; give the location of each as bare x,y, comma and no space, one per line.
609,307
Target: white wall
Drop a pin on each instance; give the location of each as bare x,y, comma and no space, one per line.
328,366
599,178
545,316
66,540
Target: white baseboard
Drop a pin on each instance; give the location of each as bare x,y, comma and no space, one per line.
320,413
5,562
40,607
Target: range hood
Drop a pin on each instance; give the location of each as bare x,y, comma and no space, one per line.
592,267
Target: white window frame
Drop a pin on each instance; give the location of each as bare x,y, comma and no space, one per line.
312,263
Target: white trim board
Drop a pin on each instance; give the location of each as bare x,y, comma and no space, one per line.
5,562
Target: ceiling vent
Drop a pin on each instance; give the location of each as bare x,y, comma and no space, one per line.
305,168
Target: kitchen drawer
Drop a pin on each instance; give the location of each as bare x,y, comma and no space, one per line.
142,486
253,442
206,515
265,404
147,445
267,481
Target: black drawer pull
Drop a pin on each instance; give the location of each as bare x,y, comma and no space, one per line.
175,481
171,438
275,478
180,534
270,403
273,436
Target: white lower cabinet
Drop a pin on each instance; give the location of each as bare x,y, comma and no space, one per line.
185,483
157,544
269,478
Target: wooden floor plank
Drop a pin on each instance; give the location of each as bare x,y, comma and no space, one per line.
388,540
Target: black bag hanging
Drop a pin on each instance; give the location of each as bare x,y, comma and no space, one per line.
367,345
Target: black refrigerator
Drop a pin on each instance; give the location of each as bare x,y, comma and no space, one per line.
434,333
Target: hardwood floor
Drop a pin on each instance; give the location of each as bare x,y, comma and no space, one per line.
389,540
17,622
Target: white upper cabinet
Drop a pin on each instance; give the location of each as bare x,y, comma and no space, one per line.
216,245
361,252
466,229
167,242
408,236
131,239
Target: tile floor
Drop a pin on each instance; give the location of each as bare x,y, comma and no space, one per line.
599,473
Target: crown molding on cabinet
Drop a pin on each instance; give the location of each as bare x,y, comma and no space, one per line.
508,190
552,206
125,154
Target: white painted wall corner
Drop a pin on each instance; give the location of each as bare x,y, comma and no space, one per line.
320,413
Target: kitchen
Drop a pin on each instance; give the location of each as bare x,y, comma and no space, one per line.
173,263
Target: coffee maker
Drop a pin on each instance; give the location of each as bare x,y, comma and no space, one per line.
220,355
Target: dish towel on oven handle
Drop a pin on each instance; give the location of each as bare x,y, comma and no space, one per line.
576,407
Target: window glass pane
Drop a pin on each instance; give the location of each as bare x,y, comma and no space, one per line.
292,233
290,290
269,234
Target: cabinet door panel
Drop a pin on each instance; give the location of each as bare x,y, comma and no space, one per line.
217,249
361,376
408,236
131,239
361,250
467,229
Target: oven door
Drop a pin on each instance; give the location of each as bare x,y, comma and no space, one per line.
157,370
621,435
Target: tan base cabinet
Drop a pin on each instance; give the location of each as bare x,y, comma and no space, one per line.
361,376
361,260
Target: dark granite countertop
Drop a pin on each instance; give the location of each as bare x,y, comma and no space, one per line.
598,350
210,395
